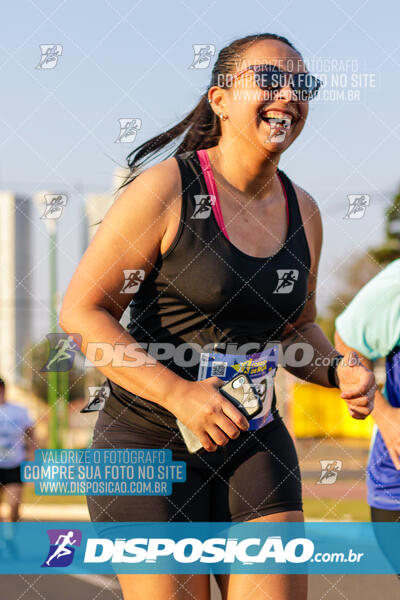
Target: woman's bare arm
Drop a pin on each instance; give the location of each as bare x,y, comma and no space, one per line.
142,221
386,416
356,382
304,330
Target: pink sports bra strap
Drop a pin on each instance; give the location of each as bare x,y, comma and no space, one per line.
212,189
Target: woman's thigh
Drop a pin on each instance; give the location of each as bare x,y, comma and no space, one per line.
164,587
266,587
265,486
260,476
184,504
189,500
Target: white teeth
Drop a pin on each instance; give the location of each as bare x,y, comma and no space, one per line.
279,123
277,117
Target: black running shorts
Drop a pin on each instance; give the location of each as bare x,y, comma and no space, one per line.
255,475
11,475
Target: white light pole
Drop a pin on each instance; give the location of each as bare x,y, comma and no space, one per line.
41,201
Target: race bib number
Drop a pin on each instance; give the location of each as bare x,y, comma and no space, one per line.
261,368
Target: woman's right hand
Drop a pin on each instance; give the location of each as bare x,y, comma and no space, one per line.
208,414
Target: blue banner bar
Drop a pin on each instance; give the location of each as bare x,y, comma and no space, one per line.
150,547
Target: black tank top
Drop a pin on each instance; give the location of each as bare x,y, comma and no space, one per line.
204,293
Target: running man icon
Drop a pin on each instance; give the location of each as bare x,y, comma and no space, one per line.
329,471
63,347
61,550
287,279
133,279
203,206
62,351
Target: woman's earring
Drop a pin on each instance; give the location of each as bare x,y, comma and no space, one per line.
223,117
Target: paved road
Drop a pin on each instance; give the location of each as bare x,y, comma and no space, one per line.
95,587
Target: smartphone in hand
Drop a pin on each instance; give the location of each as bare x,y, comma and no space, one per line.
240,392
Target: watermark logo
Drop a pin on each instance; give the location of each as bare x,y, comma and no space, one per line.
278,130
329,471
62,350
97,398
287,279
50,55
295,354
343,79
128,129
62,547
202,56
260,389
357,206
248,398
133,280
204,204
54,206
193,550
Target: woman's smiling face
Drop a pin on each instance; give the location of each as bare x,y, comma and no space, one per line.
270,121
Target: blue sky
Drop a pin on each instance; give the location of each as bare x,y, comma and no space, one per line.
130,59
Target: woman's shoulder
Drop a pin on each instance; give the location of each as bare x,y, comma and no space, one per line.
307,202
309,210
163,176
155,190
312,221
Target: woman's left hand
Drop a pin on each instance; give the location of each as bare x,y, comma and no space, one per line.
357,385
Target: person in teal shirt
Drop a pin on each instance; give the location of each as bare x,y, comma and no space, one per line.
370,325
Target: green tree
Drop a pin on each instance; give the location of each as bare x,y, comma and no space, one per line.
390,249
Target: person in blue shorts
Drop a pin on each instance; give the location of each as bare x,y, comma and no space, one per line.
370,325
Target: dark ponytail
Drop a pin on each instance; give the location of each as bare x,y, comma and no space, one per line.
201,128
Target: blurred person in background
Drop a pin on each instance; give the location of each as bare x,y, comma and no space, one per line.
17,443
370,325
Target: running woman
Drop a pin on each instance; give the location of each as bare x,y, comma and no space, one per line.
370,325
246,274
